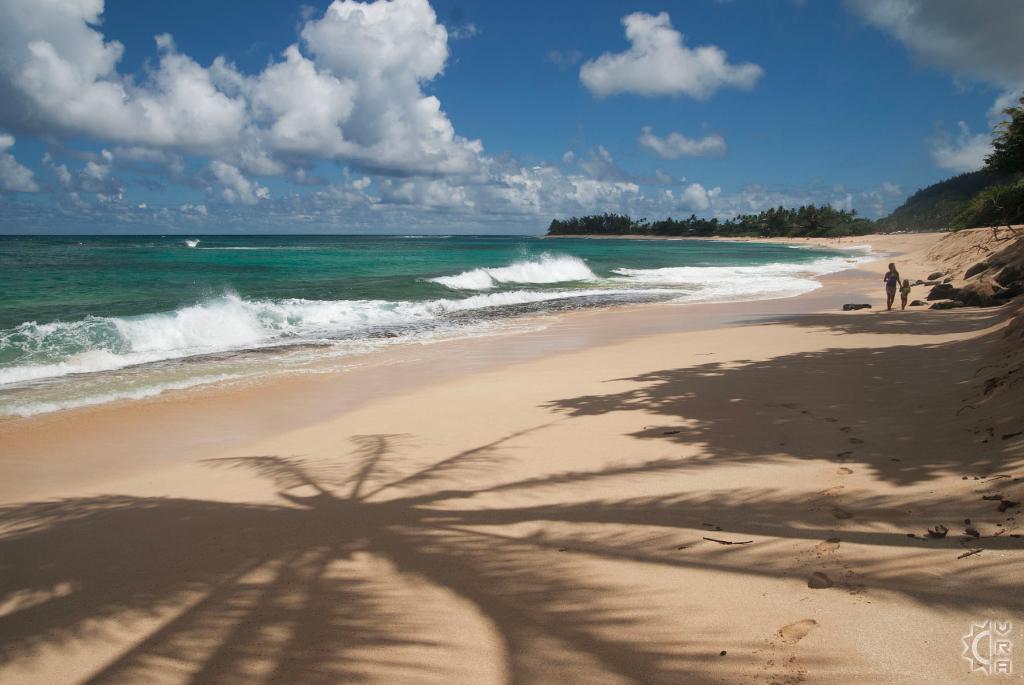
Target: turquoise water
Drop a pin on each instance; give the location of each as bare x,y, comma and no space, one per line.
91,319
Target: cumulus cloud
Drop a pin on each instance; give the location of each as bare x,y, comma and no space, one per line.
659,63
13,176
356,96
698,198
676,145
965,152
236,188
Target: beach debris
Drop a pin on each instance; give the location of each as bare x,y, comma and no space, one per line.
728,542
998,477
819,581
917,303
794,632
855,307
670,432
969,554
973,532
722,653
992,498
1007,504
938,531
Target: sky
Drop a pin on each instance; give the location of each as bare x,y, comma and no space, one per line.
410,116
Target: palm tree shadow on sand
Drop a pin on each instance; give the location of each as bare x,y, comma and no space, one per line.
341,584
380,566
354,578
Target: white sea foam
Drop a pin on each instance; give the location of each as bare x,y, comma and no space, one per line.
191,242
232,323
223,324
545,270
739,282
43,407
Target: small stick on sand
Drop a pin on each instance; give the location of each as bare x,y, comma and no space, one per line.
727,542
969,554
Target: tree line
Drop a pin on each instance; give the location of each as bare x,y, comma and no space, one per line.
806,220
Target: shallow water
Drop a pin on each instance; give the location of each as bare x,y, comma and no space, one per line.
85,320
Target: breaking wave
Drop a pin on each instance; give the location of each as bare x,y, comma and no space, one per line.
546,269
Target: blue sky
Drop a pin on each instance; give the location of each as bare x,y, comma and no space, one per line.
404,115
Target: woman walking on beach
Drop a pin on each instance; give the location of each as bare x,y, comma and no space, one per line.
892,282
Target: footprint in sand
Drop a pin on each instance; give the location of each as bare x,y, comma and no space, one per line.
832,491
819,581
841,513
845,455
845,429
856,441
843,471
794,632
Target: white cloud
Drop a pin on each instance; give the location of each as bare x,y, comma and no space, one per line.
357,98
237,189
58,75
676,145
966,152
658,63
697,198
890,188
13,176
388,49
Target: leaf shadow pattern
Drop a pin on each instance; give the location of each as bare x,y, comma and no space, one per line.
346,579
809,405
336,587
327,588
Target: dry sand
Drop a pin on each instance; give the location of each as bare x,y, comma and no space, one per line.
699,494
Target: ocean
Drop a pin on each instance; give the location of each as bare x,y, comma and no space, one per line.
86,319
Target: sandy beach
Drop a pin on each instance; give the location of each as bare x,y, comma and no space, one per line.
704,493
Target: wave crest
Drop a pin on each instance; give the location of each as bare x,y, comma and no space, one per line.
547,269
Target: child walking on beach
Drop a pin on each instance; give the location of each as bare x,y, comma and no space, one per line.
904,293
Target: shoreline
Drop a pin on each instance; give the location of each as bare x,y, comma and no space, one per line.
250,408
735,492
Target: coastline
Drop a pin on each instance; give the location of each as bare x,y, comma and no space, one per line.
537,484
